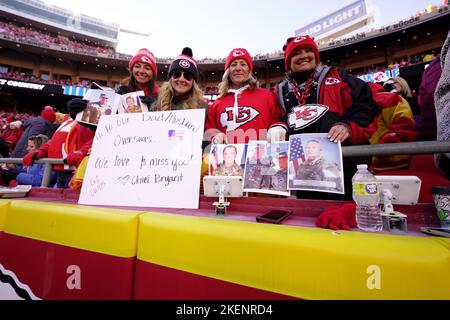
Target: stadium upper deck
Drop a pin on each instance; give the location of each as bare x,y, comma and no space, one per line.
46,53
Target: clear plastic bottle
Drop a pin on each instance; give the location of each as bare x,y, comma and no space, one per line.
366,193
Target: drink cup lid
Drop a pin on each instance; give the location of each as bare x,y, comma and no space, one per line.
440,190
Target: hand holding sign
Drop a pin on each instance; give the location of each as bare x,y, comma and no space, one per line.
146,159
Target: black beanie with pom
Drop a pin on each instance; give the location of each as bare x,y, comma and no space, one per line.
185,62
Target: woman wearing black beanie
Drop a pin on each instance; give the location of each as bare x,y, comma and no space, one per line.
181,91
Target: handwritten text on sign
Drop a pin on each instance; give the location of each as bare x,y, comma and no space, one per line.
150,159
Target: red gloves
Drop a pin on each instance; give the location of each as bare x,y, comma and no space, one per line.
75,158
338,217
30,157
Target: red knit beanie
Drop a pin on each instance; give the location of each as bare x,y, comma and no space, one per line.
49,114
144,56
293,44
239,53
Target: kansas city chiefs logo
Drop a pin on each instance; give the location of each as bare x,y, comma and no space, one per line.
331,81
145,59
303,116
298,39
184,64
238,53
245,115
380,76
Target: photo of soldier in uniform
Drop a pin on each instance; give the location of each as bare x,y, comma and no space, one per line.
227,160
266,168
315,164
101,103
131,103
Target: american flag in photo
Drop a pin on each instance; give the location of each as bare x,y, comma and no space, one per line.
175,135
297,155
213,159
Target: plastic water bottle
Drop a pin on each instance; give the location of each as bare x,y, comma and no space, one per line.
366,193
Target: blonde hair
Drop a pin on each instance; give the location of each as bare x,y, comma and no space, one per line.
39,140
166,94
225,85
406,91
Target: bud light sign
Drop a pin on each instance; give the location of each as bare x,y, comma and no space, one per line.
336,21
381,76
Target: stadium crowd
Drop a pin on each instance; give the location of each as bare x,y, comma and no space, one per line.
29,35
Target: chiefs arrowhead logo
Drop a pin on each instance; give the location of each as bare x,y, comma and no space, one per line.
380,76
238,53
303,116
298,39
184,64
331,81
245,115
145,59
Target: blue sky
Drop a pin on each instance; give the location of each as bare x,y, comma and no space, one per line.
212,28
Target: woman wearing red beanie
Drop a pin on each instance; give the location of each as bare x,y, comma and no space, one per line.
316,98
243,111
143,71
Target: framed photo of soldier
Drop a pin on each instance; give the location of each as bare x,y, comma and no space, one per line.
131,103
315,164
266,168
100,103
227,160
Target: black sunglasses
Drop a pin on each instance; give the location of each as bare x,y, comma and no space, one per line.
188,76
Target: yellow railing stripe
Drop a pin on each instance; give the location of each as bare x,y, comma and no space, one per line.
102,230
307,263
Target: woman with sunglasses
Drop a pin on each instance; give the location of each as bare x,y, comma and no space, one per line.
243,111
181,91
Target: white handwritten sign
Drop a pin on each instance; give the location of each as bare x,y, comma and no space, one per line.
150,159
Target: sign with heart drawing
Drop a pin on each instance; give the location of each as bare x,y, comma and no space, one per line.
150,159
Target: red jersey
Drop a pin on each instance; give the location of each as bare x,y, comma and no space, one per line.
256,112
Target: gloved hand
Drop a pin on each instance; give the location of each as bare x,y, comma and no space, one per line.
276,134
75,158
32,156
75,106
220,138
148,100
338,217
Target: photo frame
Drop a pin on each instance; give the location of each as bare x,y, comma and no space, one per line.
315,164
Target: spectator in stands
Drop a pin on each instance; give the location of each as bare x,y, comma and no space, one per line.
71,142
12,134
317,98
442,102
34,127
181,91
400,86
33,175
426,121
395,124
143,72
243,111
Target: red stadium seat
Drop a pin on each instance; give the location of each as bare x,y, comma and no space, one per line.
424,162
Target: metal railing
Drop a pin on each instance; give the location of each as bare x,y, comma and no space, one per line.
47,170
389,149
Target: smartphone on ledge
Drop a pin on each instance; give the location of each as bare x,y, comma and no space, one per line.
442,232
273,216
